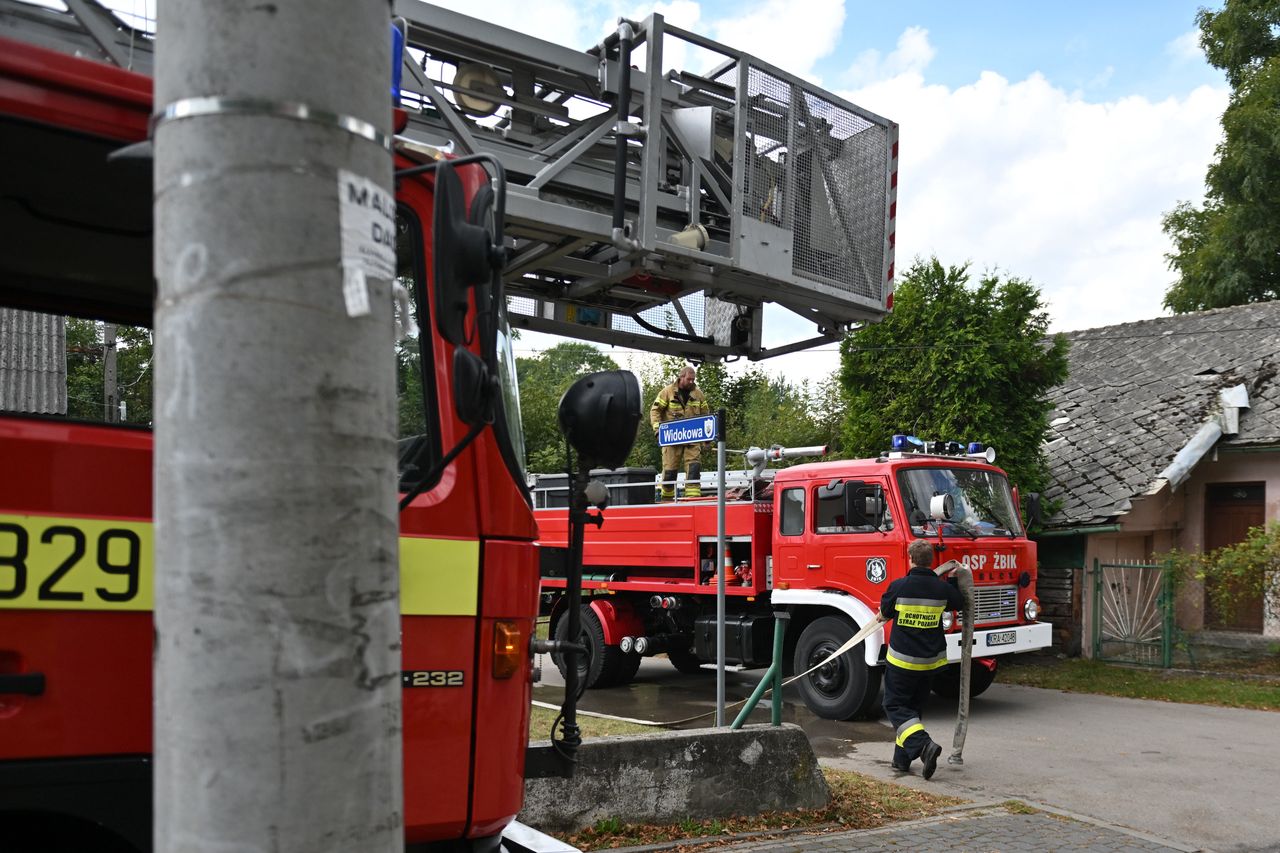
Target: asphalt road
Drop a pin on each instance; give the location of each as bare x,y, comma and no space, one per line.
1199,776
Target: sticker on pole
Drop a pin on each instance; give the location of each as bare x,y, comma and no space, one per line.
367,221
689,430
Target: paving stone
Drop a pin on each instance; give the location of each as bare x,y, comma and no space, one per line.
979,831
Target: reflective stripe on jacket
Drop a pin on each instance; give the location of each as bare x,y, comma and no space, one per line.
916,603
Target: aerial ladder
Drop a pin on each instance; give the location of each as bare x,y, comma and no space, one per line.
649,207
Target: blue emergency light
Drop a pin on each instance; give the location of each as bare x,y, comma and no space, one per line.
902,443
397,59
906,444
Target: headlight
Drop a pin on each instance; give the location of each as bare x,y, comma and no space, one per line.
947,620
1031,609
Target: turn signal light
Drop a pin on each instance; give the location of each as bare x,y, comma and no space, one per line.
509,647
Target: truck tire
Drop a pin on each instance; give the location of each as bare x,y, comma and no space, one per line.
600,667
844,689
686,661
946,681
625,669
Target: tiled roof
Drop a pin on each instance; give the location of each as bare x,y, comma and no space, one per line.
1138,391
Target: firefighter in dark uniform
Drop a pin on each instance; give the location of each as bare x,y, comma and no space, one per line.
681,399
917,648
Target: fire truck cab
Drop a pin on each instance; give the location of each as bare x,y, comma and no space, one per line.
76,557
820,541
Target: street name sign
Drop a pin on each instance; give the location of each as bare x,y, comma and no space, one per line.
689,430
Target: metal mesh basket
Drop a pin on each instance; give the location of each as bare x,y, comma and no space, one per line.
818,169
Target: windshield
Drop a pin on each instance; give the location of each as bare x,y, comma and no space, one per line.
982,505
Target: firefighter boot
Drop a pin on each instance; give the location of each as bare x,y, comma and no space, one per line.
930,758
901,762
693,481
668,486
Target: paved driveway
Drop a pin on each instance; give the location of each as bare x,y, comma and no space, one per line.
1196,775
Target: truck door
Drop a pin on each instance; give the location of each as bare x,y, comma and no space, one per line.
855,556
790,563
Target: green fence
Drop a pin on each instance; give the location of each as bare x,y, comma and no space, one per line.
1133,613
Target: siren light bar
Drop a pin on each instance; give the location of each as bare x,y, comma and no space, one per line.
902,444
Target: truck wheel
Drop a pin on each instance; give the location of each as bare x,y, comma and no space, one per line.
599,666
686,661
843,689
946,681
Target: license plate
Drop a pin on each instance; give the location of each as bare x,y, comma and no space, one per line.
1002,638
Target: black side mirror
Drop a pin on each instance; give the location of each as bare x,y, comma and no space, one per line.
1035,512
473,388
599,415
464,254
863,504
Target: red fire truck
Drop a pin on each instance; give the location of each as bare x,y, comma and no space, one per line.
76,566
820,541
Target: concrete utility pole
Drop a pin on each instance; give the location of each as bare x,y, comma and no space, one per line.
277,690
110,402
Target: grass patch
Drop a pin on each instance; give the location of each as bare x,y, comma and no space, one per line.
1019,807
540,720
857,802
1089,676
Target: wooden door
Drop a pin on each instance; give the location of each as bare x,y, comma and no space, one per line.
1230,509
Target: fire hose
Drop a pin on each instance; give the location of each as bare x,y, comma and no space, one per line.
964,576
964,579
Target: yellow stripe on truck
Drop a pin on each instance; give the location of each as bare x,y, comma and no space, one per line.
75,563
439,577
51,563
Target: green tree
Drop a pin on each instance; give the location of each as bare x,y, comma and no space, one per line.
760,409
956,361
543,380
410,404
1227,252
86,363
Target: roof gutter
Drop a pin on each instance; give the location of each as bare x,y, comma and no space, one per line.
1224,422
1078,531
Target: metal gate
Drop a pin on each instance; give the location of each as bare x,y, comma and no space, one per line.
1133,613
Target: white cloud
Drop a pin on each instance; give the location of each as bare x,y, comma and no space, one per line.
913,54
1186,47
1102,78
1048,185
791,34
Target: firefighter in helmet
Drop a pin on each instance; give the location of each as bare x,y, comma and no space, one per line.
917,648
680,399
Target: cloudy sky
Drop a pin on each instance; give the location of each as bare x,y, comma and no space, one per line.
1043,140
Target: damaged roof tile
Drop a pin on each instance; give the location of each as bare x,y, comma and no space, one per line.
1138,391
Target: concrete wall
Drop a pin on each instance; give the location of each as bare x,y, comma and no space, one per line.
670,776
